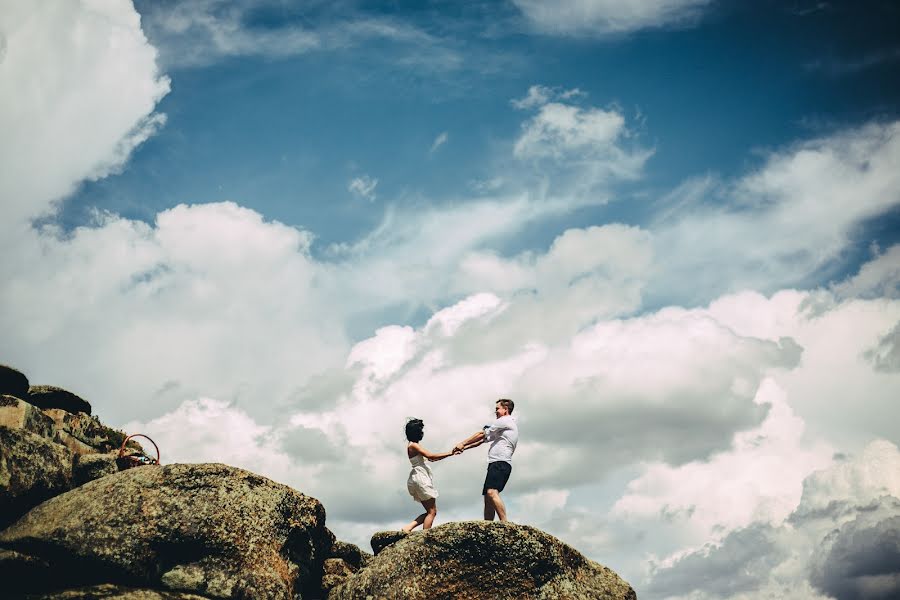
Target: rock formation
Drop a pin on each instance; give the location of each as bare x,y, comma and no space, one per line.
209,529
480,559
44,453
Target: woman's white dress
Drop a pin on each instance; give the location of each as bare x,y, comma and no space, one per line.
420,483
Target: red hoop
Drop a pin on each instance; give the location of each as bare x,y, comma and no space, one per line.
132,460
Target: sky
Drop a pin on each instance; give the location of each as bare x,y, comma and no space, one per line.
266,233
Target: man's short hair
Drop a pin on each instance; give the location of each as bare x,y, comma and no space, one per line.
506,403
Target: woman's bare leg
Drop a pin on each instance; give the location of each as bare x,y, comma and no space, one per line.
418,521
431,512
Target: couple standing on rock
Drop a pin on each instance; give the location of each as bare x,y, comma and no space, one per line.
503,434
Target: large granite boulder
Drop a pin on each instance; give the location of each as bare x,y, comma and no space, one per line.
32,469
207,529
481,559
48,396
13,382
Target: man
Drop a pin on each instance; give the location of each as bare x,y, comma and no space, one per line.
503,434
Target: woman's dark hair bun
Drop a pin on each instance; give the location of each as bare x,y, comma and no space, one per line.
414,430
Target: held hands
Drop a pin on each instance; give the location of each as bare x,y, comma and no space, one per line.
458,449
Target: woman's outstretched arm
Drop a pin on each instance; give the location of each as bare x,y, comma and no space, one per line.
432,456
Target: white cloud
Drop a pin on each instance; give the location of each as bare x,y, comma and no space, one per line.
749,483
559,129
605,17
86,85
211,300
781,225
538,95
439,141
836,543
363,187
591,144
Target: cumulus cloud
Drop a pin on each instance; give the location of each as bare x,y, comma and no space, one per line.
573,152
562,132
863,558
606,17
86,85
745,485
363,187
840,541
211,299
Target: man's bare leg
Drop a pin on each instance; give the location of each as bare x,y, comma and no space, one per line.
488,508
493,497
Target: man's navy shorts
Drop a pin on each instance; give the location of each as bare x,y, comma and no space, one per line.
497,476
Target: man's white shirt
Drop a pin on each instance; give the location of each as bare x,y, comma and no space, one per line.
503,434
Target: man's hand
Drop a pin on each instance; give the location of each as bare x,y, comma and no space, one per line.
458,449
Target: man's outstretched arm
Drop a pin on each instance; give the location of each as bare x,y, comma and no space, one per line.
476,439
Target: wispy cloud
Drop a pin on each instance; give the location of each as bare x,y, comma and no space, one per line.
363,187
538,95
608,17
439,141
201,32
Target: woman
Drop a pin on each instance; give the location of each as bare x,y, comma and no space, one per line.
420,482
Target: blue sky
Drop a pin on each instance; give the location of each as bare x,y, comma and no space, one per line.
285,134
266,232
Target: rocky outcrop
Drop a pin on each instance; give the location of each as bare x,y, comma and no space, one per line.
480,559
13,382
44,453
48,396
32,469
208,529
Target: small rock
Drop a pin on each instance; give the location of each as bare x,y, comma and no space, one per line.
351,553
383,539
336,571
